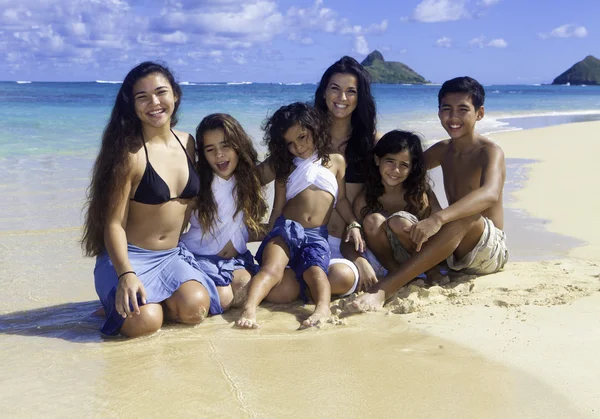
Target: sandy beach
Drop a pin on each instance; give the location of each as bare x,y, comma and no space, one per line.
522,343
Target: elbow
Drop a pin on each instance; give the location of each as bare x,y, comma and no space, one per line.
493,197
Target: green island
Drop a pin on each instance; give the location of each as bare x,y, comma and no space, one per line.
390,72
586,71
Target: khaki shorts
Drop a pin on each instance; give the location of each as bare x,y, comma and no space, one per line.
401,255
488,256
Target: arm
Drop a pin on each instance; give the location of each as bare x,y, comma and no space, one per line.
266,172
115,240
278,203
366,274
433,155
475,202
343,206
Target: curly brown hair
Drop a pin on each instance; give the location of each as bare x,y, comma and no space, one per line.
250,194
416,186
283,119
122,136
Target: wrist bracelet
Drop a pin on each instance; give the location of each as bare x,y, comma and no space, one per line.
353,224
125,273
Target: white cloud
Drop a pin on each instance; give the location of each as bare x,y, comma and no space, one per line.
481,42
566,31
360,45
444,42
488,3
497,43
477,42
429,11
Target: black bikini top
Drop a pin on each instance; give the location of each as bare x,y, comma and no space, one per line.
153,190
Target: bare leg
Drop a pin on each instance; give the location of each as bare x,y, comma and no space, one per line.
189,304
341,278
147,322
457,236
287,290
397,225
377,241
317,282
276,255
225,296
239,287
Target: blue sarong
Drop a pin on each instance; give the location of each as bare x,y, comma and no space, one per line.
161,272
221,270
308,247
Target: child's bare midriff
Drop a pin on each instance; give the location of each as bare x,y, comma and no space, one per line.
311,208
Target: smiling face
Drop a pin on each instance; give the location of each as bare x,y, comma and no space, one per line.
154,100
299,141
341,95
458,115
221,157
394,168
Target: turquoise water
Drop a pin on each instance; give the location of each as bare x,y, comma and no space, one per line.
66,118
50,133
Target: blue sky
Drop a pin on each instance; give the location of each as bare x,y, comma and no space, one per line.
495,41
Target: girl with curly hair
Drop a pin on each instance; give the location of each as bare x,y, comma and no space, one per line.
397,195
308,185
142,183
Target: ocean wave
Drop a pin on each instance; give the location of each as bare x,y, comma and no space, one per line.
236,83
546,114
292,84
108,82
23,81
187,83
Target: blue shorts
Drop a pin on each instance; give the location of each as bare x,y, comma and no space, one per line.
221,270
161,272
308,247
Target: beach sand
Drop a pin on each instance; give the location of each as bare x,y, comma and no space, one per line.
522,343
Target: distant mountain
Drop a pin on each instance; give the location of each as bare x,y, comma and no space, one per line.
586,71
390,72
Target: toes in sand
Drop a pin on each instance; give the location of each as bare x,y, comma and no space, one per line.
319,316
247,320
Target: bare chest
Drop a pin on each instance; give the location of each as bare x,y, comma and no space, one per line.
462,174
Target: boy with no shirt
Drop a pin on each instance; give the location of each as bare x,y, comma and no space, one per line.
468,233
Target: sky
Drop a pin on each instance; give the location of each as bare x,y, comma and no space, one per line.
495,41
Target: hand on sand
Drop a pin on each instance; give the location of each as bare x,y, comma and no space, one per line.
319,316
369,301
247,320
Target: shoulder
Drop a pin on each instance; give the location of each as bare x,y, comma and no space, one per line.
337,159
187,140
438,147
490,148
377,137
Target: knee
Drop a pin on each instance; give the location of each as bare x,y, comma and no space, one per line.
147,322
341,277
398,224
193,305
372,223
287,291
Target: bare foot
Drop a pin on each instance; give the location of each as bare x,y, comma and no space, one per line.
367,302
247,320
100,312
320,315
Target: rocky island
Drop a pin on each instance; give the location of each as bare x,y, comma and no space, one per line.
390,72
586,71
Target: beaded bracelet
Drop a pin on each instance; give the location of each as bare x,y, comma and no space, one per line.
353,224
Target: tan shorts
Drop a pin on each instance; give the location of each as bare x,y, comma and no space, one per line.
488,256
401,255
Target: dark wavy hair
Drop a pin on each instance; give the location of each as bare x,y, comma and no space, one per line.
122,135
250,194
363,118
416,186
283,119
463,85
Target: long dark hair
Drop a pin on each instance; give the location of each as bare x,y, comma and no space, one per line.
250,197
416,186
363,118
121,136
283,119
